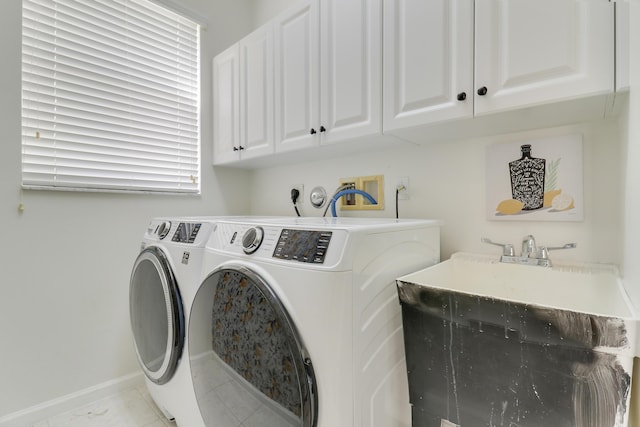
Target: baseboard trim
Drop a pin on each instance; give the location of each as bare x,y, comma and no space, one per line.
33,414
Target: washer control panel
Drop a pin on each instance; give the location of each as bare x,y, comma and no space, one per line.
312,247
303,245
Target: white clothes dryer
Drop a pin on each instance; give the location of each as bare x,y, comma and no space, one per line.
165,277
297,321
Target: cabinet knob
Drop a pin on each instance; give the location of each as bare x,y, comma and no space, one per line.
322,129
235,148
312,131
241,147
482,91
462,96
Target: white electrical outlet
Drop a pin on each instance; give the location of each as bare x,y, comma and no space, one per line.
402,186
300,188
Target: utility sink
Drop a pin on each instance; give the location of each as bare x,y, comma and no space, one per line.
585,288
491,344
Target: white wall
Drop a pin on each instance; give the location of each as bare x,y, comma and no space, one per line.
632,194
65,261
447,182
264,10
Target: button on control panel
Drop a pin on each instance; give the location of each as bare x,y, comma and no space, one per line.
303,245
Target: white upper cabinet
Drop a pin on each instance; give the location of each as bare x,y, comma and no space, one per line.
530,52
297,76
256,93
243,99
346,72
449,59
428,61
351,76
327,72
226,106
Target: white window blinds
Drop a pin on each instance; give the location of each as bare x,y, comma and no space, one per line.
110,97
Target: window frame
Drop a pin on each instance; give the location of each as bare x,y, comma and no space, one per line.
176,158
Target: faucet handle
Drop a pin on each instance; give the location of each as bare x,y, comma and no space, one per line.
543,251
507,248
528,246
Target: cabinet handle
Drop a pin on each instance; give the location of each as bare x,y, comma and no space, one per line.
235,148
322,129
462,96
482,91
312,131
241,147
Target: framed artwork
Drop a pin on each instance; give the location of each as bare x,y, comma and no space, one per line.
535,180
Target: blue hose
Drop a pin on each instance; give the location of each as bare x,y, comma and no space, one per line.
349,191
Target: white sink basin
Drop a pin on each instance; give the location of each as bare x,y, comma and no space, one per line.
586,288
521,345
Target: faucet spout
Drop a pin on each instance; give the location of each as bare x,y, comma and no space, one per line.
528,246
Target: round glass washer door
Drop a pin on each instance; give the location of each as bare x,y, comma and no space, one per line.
248,362
157,318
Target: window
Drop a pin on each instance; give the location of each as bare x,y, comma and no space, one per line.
110,97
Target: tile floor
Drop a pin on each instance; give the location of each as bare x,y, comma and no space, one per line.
129,408
229,403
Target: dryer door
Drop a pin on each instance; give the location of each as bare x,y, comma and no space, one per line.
157,319
248,362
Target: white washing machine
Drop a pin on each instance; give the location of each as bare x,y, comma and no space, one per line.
297,321
165,277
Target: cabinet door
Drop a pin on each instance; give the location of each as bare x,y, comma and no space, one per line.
351,74
428,61
226,106
534,51
297,68
256,93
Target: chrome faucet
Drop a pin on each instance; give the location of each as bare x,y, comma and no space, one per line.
530,255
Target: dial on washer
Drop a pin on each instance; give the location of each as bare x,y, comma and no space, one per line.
252,239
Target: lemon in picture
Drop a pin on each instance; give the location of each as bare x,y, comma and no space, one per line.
549,196
562,202
510,206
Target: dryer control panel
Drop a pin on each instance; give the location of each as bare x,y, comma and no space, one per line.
186,232
303,245
171,231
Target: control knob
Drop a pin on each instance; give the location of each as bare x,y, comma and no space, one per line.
163,229
252,239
